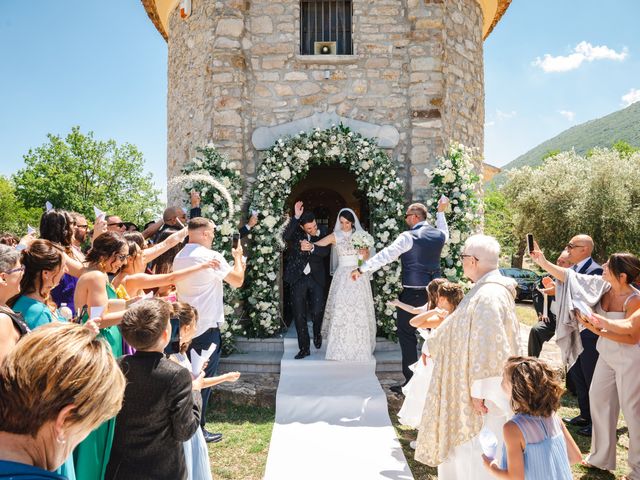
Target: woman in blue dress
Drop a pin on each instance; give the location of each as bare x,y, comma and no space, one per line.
44,266
537,445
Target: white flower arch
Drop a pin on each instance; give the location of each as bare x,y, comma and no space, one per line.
287,162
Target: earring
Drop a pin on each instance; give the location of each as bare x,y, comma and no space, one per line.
102,266
61,441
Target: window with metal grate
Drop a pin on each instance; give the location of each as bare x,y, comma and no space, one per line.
325,27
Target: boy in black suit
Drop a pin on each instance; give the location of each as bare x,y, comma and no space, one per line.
305,274
160,410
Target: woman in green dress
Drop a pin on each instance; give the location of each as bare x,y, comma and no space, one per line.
108,253
44,265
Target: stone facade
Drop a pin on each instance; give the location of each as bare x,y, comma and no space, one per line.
234,66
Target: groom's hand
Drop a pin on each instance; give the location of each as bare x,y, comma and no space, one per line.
298,209
355,275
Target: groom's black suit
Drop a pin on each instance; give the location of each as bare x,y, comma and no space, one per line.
306,289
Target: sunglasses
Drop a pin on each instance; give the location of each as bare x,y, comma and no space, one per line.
119,224
13,270
122,258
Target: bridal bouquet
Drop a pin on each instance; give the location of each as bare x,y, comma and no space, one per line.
361,240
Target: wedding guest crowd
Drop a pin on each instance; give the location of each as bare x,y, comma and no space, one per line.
74,326
98,329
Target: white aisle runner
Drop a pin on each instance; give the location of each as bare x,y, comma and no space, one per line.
331,422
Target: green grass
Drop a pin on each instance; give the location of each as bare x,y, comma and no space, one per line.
242,453
570,409
526,314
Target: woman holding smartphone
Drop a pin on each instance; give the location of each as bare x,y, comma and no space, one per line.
615,384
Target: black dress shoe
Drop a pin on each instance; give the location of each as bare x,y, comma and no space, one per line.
302,354
585,432
211,437
577,421
317,341
397,389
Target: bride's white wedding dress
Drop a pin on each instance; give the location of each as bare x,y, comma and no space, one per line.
349,324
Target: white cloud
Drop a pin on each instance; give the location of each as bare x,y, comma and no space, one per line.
505,115
632,96
583,52
569,115
489,124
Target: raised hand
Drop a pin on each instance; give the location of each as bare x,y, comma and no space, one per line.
298,209
232,376
393,303
355,275
443,203
537,255
213,264
306,246
195,199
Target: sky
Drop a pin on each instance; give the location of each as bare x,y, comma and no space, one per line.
549,65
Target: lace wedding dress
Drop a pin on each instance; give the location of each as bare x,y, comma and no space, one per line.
349,324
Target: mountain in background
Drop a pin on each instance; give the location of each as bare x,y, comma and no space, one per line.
602,132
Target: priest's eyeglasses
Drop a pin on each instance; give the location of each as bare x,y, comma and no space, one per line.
464,255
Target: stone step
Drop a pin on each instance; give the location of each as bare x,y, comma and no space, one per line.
269,362
254,362
276,344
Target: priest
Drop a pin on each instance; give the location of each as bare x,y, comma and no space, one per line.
469,351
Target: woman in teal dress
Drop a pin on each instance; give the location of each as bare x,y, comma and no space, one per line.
44,266
108,253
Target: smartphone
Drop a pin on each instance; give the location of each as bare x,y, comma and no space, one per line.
174,343
235,240
530,242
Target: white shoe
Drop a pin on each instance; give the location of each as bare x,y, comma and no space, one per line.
413,444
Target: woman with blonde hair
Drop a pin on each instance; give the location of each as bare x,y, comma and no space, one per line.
57,385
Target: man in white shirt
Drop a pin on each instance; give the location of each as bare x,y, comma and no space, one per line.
419,251
203,291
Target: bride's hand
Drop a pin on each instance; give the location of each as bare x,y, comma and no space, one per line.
364,252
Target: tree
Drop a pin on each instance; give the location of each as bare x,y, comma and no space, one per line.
14,217
572,194
79,172
498,220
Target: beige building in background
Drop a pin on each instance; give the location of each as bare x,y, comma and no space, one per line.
412,67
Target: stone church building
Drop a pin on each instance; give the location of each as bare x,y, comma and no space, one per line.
244,72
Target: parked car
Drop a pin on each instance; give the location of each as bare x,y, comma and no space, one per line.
527,280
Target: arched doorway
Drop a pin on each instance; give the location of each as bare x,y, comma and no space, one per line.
325,190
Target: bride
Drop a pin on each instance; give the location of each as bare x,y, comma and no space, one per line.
349,323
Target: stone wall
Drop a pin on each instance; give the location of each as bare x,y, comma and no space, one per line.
234,66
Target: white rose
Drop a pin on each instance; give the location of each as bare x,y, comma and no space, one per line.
226,229
365,166
285,173
334,151
270,221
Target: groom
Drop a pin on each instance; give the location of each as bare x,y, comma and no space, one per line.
305,275
419,250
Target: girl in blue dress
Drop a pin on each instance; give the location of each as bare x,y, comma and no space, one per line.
537,445
184,321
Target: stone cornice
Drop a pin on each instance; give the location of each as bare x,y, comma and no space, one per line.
160,19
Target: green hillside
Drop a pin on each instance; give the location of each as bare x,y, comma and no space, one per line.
602,132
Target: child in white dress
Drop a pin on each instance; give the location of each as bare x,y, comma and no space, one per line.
447,298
